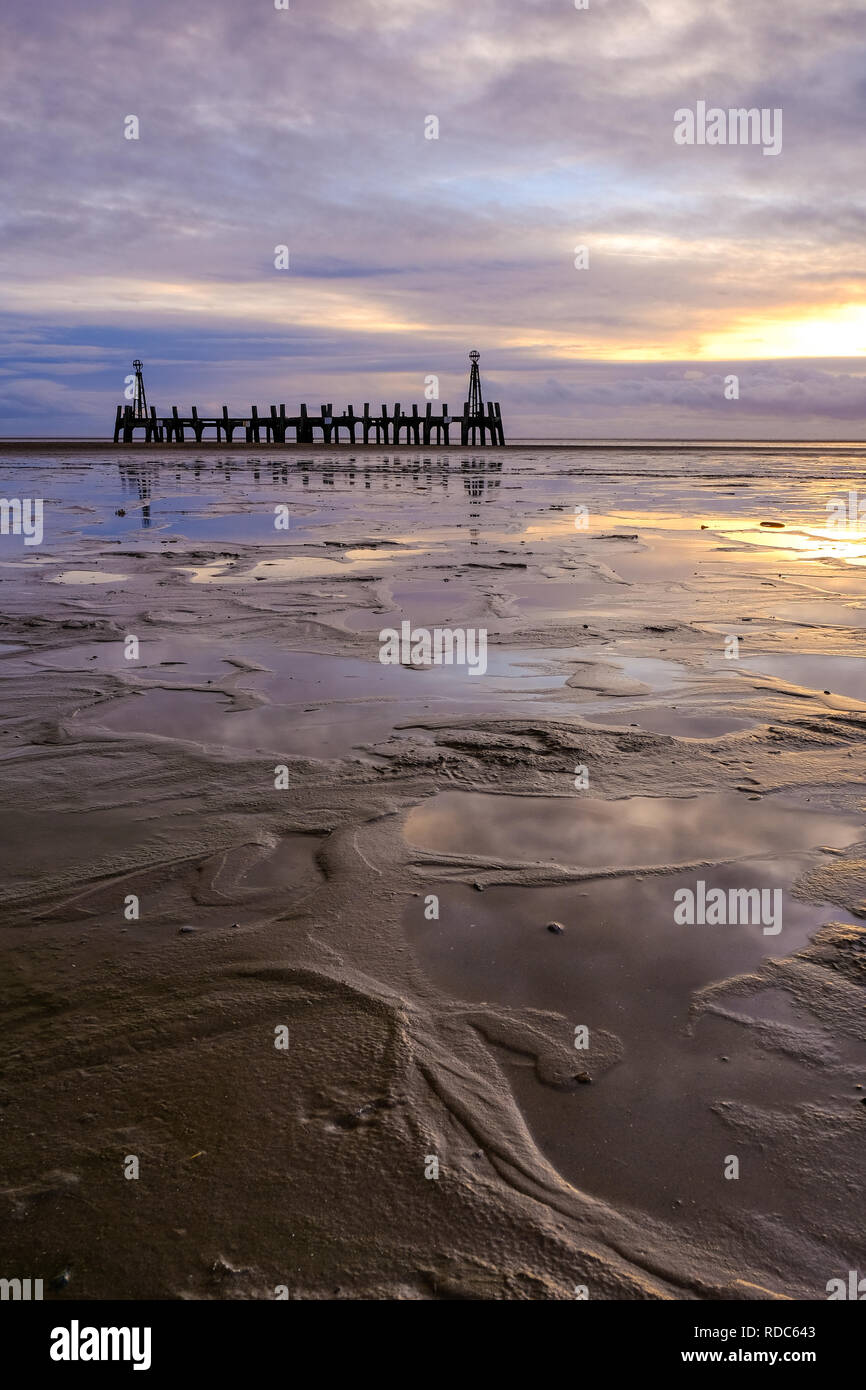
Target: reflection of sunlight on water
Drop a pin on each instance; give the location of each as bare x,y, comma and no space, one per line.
88,577
812,542
630,521
855,535
364,553
296,566
695,520
841,542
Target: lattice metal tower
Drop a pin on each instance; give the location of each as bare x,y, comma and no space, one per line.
139,399
476,405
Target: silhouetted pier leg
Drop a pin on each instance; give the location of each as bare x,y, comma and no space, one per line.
117,419
304,430
327,422
197,425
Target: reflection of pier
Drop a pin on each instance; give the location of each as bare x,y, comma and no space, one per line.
138,480
478,477
476,424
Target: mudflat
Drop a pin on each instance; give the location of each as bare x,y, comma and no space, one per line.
365,978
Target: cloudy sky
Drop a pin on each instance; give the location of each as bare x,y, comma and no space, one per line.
306,127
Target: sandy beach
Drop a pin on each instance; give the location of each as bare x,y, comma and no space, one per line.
375,968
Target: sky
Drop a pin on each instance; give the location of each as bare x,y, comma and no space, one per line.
309,127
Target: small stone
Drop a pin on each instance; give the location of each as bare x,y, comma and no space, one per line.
583,1077
724,1059
185,931
479,887
556,927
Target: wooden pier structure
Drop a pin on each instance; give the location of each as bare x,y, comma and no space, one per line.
276,427
475,425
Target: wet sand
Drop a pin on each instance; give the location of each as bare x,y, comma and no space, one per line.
387,897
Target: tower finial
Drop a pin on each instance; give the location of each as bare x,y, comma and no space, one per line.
476,405
139,399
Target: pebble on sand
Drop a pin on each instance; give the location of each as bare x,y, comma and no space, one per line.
556,927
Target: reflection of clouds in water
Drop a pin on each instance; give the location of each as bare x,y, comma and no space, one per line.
838,675
634,830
